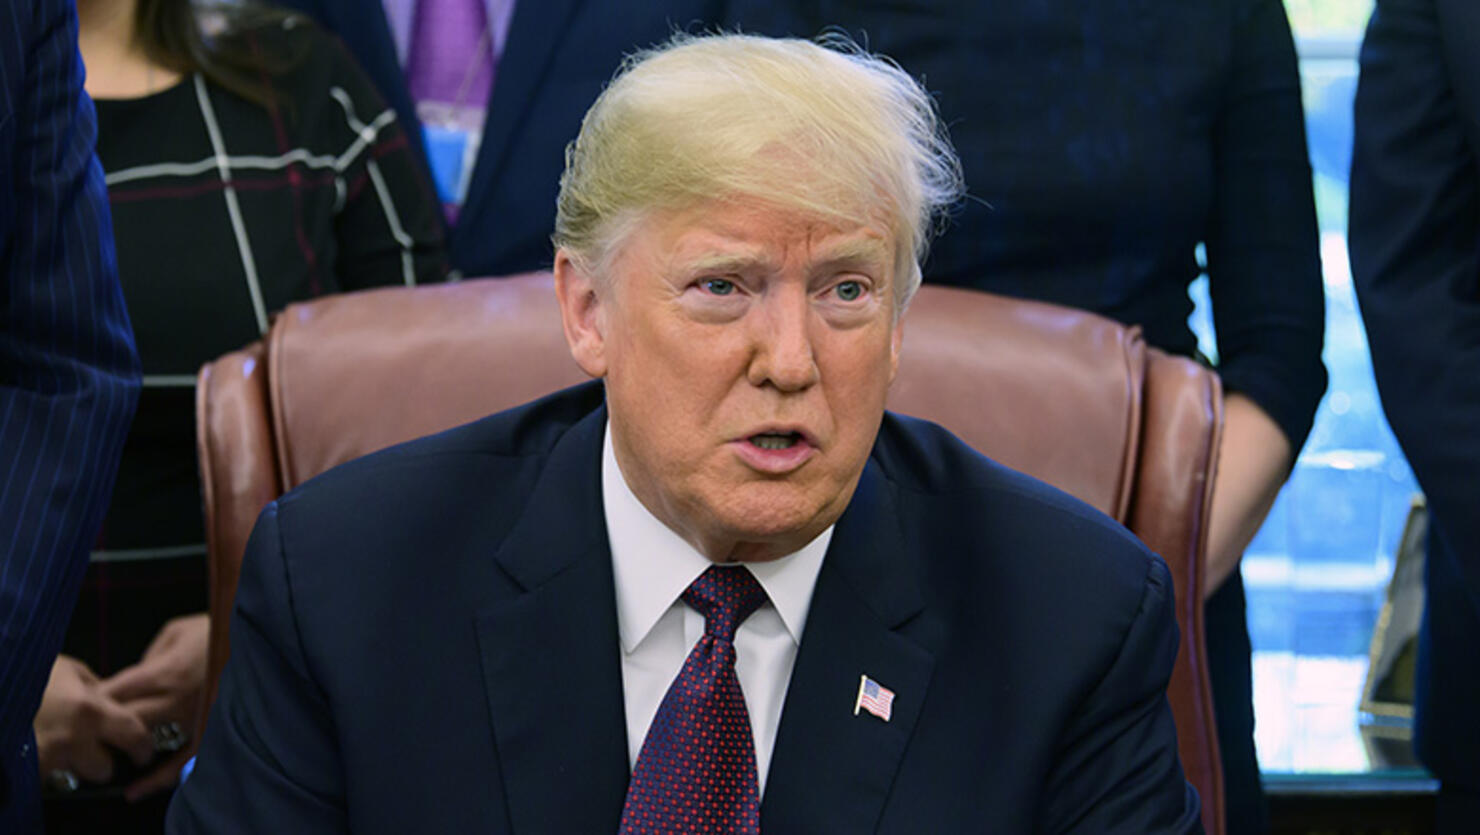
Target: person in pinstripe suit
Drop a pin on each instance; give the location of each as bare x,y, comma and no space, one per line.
69,375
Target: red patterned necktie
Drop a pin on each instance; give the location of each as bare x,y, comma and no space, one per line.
696,772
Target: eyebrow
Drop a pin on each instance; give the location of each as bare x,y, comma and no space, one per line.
727,263
853,252
856,251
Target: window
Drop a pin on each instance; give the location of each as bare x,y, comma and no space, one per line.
1316,574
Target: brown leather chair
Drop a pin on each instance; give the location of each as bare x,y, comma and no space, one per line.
1072,398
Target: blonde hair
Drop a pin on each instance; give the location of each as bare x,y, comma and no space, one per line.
823,127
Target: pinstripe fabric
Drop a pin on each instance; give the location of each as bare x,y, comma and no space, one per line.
68,372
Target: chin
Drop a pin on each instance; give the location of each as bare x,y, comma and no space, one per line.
772,515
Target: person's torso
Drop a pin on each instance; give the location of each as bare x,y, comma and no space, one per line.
982,720
1086,132
556,60
224,211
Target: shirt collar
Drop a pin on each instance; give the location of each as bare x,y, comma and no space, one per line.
652,565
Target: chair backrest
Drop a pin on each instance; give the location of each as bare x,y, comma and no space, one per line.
1071,398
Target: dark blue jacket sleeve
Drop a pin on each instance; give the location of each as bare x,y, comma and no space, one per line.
269,761
1415,250
1264,270
1118,769
68,373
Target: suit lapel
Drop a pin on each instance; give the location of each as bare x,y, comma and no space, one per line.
551,656
831,770
536,33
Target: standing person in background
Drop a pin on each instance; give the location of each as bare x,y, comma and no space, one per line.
68,373
247,169
1102,144
496,90
1415,252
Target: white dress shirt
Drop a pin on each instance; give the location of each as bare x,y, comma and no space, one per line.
653,566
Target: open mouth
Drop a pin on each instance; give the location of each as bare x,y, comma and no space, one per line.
776,440
776,452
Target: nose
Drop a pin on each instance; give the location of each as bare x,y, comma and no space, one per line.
782,356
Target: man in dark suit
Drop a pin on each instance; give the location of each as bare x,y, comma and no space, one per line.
721,590
525,85
1415,252
68,374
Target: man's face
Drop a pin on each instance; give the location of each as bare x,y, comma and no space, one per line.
747,352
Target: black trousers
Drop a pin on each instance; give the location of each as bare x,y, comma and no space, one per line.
1457,811
104,814
1231,670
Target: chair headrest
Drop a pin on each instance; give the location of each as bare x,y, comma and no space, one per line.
428,358
977,364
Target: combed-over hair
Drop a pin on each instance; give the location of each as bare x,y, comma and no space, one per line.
824,127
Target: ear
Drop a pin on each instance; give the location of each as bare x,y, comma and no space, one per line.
580,307
896,342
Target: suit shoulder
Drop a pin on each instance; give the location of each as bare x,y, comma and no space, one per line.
925,458
990,526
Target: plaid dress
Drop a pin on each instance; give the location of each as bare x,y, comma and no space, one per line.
225,211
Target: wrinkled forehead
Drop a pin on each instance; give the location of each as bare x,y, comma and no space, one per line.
742,231
753,234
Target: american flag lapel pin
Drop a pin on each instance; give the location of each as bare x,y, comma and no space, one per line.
874,698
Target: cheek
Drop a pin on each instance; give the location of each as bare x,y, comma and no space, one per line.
695,366
857,384
859,369
671,386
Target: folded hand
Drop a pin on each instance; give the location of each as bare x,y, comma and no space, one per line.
79,725
165,686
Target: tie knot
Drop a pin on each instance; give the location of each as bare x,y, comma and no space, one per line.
725,597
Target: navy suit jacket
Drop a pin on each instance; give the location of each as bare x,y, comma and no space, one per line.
1415,252
558,56
68,374
425,640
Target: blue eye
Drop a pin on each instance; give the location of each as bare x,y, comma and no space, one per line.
719,286
849,291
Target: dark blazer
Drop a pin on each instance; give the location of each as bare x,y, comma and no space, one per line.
1103,142
559,54
425,640
68,374
1415,253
